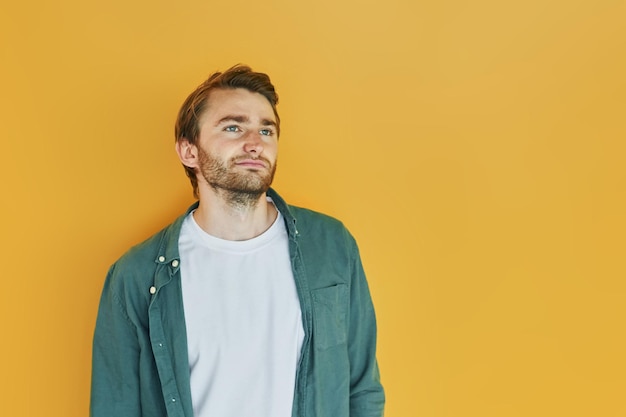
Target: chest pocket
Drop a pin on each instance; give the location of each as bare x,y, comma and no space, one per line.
330,315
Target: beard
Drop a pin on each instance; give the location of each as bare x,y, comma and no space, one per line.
241,188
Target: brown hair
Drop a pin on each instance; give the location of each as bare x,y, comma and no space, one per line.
239,76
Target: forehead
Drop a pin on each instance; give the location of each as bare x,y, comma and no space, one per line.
237,101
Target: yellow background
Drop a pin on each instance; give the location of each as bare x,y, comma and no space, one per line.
474,148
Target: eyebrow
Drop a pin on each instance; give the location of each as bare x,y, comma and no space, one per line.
243,119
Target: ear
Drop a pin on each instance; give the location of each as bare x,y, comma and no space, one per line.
187,153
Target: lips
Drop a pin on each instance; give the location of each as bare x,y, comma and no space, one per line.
251,163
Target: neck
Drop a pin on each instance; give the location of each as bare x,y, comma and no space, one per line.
234,216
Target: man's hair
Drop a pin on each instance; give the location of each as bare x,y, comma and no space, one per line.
240,76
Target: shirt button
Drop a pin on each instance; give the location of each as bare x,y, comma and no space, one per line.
175,263
153,290
161,258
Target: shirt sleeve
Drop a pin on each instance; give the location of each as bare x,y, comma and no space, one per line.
367,397
115,360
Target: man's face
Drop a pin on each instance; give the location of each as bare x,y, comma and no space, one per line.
238,143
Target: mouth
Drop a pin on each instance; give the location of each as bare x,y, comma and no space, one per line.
251,163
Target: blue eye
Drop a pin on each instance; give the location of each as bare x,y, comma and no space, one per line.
231,128
266,132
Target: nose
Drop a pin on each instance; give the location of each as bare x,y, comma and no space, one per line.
253,143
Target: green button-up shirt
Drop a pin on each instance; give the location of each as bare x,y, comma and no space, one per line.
140,362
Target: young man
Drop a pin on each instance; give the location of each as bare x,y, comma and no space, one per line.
244,306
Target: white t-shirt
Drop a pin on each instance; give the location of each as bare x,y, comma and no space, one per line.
244,325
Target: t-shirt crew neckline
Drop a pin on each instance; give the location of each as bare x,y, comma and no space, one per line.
236,246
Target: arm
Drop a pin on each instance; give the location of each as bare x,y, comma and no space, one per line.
115,362
367,397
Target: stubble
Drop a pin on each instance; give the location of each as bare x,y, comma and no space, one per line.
239,188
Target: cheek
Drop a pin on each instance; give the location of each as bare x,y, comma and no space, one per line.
226,150
271,149
273,154
273,146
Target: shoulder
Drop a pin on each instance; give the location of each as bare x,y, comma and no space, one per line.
304,215
323,237
139,263
306,221
311,222
144,252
